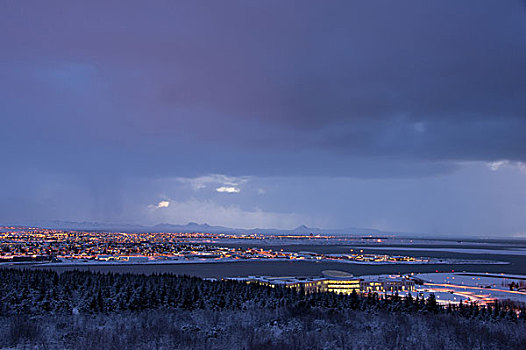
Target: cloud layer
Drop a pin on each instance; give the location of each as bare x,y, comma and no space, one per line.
239,82
228,189
218,99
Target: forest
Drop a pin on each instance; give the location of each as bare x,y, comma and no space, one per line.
84,310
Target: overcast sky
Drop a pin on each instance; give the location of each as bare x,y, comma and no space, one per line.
397,115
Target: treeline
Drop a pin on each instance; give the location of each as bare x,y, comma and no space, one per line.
36,292
256,328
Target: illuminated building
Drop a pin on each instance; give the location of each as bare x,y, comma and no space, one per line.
336,282
340,282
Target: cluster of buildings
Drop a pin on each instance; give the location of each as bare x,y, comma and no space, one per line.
59,245
337,282
48,244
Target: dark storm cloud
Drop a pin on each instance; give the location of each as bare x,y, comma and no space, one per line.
339,113
247,86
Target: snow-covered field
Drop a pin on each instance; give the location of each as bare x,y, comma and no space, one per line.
465,287
517,251
427,261
472,286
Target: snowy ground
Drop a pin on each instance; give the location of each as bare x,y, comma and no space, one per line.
477,287
196,260
465,287
517,251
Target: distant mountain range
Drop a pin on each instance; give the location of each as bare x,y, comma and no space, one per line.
195,227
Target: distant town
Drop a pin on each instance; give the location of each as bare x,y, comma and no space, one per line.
63,246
